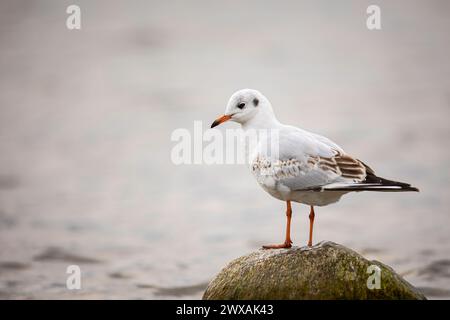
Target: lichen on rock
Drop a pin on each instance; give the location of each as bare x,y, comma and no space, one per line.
324,271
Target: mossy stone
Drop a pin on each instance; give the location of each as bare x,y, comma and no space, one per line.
324,271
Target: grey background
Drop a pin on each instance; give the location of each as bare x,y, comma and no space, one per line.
86,118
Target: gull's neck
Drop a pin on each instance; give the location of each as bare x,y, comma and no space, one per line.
262,120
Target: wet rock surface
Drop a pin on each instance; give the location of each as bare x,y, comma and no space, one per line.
325,271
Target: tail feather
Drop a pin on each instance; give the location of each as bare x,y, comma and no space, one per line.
372,183
369,187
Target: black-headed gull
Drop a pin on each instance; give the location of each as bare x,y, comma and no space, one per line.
308,168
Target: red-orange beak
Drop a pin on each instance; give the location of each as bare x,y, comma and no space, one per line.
220,120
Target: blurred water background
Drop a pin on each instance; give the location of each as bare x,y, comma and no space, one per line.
86,117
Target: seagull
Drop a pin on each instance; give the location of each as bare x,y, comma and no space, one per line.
308,168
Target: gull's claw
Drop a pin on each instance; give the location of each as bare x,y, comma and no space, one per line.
285,245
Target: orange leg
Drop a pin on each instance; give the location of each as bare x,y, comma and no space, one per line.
287,242
311,224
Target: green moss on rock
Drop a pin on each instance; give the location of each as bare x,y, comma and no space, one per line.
325,271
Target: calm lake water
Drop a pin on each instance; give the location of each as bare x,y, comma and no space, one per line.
86,117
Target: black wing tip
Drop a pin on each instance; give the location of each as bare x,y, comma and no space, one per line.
372,178
409,188
403,186
387,187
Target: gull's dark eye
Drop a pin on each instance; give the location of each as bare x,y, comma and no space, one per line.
241,105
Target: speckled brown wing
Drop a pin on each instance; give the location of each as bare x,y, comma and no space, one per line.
359,176
343,165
